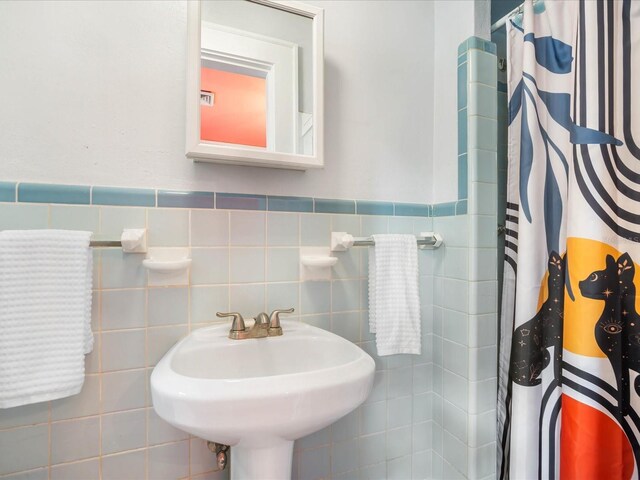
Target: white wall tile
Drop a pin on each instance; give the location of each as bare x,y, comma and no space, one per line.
161,339
283,229
314,464
115,219
168,227
209,228
123,309
372,448
168,306
123,349
75,439
209,266
66,217
399,412
207,301
455,389
246,265
169,462
247,299
85,403
247,229
283,264
344,456
398,442
15,442
83,470
454,452
124,466
25,415
123,390
283,295
124,431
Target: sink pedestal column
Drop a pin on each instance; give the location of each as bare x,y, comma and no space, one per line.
266,463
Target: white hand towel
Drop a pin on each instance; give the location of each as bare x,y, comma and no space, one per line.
45,314
394,302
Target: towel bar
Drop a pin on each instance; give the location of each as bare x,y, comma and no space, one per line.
341,241
105,243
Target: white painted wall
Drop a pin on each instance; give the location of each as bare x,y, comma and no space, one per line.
455,21
93,93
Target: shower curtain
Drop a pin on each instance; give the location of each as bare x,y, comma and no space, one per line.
569,404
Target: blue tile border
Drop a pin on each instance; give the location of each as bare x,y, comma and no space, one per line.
241,201
326,205
289,204
366,207
143,197
478,44
461,207
179,199
412,210
128,197
7,191
50,193
445,209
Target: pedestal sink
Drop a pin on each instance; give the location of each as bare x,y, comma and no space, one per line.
259,395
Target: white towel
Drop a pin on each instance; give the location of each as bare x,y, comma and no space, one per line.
45,314
394,302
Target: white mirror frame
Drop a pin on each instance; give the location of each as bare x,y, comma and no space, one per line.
201,151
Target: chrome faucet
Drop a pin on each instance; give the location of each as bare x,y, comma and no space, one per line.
263,325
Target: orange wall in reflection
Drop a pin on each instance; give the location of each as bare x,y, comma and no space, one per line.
239,111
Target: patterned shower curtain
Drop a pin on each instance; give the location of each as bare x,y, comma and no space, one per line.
569,404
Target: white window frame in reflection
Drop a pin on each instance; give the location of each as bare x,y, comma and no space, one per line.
238,51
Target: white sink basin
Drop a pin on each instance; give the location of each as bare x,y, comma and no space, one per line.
259,395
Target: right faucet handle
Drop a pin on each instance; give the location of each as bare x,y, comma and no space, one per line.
238,322
274,318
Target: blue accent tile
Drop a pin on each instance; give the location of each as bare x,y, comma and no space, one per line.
502,87
475,42
48,193
490,47
171,198
323,205
462,131
7,192
461,207
130,197
374,208
241,201
463,47
462,86
462,58
462,177
444,209
289,204
412,210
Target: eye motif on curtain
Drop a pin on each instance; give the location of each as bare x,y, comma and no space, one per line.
617,330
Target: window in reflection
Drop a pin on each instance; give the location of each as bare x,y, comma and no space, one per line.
238,108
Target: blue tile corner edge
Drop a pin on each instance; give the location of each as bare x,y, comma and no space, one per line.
7,191
478,44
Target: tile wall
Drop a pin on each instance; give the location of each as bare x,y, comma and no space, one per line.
243,259
465,285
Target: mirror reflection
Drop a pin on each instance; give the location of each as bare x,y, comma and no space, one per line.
256,77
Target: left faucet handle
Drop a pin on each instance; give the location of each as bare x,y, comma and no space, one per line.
237,324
